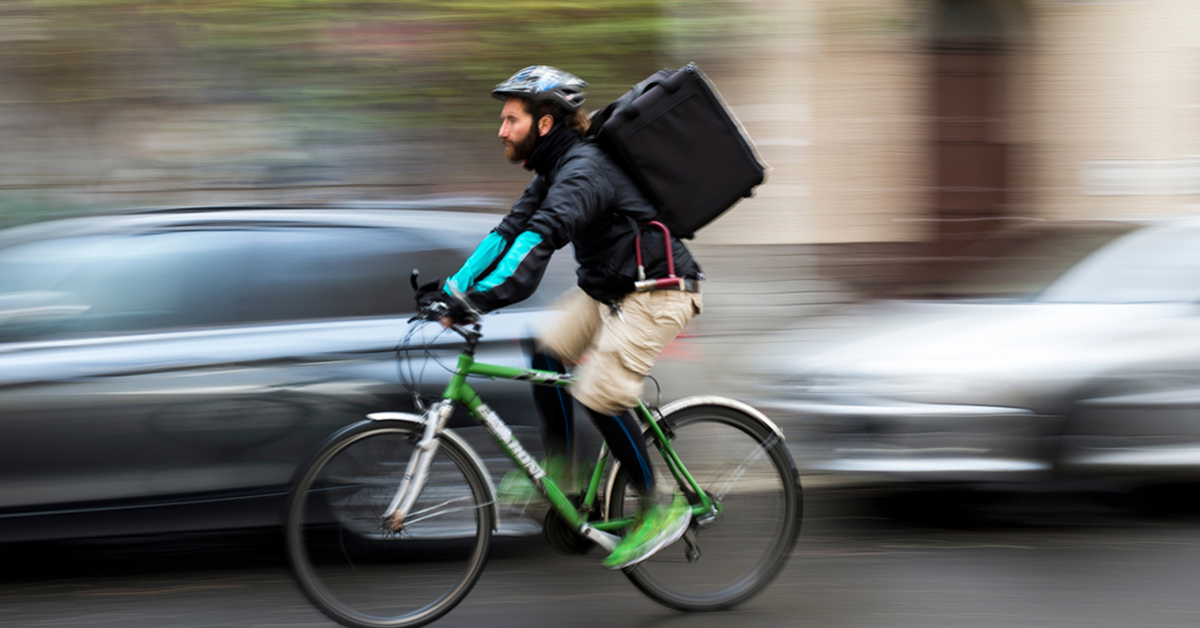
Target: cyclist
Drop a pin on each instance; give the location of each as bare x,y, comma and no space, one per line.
579,196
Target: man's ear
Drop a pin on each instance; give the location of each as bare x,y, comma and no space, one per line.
545,124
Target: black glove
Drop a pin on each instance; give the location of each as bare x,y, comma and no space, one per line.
456,309
460,311
430,293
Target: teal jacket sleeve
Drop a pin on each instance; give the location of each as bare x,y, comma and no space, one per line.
486,254
517,275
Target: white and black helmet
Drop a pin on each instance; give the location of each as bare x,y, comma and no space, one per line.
542,83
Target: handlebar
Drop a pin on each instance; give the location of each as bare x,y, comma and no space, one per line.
439,311
436,312
432,312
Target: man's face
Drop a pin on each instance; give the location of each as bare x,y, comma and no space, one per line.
517,131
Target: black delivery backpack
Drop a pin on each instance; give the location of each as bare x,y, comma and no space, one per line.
687,153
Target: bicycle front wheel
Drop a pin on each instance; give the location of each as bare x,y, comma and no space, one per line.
353,567
724,560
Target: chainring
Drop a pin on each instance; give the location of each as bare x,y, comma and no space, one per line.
563,538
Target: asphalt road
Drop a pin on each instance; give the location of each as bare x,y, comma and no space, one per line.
1032,560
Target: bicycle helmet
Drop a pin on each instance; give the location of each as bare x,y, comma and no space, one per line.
542,83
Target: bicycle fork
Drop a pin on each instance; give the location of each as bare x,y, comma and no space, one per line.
417,471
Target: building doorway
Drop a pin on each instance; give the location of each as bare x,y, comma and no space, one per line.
970,156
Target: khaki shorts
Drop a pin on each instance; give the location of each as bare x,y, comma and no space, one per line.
620,350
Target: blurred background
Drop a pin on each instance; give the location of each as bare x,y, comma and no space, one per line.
121,102
896,130
912,143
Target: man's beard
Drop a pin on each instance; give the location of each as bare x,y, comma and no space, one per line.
517,152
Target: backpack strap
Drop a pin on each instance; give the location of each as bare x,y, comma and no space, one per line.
598,118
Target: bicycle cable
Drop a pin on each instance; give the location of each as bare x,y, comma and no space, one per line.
414,354
657,394
416,351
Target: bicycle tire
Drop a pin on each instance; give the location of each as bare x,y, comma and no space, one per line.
354,570
745,464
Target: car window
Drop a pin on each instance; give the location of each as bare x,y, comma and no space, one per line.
121,283
115,283
322,272
1149,266
1015,264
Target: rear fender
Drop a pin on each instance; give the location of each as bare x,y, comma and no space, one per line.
713,400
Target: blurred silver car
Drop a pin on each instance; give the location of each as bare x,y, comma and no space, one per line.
1060,352
168,370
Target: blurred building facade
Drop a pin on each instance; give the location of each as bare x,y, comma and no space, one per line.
939,120
901,130
895,128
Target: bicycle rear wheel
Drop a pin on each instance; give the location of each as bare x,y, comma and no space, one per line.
354,569
724,560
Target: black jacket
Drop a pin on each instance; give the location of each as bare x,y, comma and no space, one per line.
579,196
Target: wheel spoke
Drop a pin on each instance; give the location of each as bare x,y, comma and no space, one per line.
744,463
442,509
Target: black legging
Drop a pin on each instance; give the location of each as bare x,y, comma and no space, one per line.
621,431
624,437
556,408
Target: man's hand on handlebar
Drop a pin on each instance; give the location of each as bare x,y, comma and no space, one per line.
428,294
448,313
433,304
457,312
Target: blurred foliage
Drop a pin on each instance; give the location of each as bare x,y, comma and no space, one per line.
18,207
373,62
169,101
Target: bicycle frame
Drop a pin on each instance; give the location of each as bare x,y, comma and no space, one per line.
458,390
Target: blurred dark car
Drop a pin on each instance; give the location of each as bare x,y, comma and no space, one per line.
1058,353
168,370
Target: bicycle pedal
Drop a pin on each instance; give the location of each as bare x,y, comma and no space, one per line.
563,538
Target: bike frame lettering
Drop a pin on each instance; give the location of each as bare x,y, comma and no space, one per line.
458,390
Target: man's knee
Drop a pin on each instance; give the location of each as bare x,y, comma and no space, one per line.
570,333
606,385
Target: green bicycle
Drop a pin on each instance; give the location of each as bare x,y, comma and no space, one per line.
390,523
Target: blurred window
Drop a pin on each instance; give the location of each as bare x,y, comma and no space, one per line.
1017,264
1148,266
109,284
969,21
330,272
341,272
117,283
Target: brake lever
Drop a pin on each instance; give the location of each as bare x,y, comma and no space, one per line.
432,312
